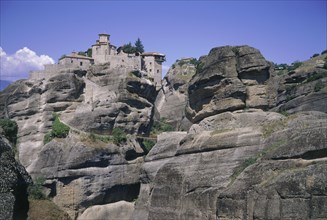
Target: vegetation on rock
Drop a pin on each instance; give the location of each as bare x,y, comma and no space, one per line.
137,48
59,130
161,126
148,144
10,129
35,190
119,136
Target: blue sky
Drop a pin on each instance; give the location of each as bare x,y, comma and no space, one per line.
284,31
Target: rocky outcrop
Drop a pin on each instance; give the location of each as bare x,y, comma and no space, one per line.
114,99
239,159
84,173
304,88
13,184
228,168
172,97
31,103
231,78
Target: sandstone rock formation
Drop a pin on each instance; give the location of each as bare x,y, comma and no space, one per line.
250,140
13,184
231,168
172,97
304,88
231,78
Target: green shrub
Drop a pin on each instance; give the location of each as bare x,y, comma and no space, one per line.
35,190
294,65
148,144
59,129
89,52
118,135
47,138
316,76
10,129
161,126
92,137
323,52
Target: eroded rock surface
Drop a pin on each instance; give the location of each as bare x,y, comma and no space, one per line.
233,168
13,184
229,75
172,97
253,147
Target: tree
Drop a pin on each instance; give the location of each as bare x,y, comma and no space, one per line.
9,129
89,52
139,46
81,53
128,48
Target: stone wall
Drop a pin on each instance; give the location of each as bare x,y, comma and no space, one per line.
76,62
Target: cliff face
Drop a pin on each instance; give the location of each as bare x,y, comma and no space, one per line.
233,154
13,184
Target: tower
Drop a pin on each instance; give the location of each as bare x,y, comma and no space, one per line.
101,49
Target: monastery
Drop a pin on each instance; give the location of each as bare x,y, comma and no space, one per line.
104,52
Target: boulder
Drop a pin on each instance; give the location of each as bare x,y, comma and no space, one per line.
120,210
221,84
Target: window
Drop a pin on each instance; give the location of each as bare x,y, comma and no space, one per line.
157,71
71,61
150,63
81,63
150,70
122,61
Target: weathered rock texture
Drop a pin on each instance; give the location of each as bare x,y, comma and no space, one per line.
304,88
172,97
120,210
231,168
231,78
13,184
255,146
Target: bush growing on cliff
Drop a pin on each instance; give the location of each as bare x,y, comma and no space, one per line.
35,190
118,135
161,126
59,130
148,144
10,129
294,65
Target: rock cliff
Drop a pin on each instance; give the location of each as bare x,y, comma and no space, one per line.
13,184
249,142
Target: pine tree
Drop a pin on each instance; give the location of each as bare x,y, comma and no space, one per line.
139,46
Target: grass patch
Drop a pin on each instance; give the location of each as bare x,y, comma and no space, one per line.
316,76
148,144
95,138
161,126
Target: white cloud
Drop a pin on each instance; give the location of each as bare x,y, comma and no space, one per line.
19,64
